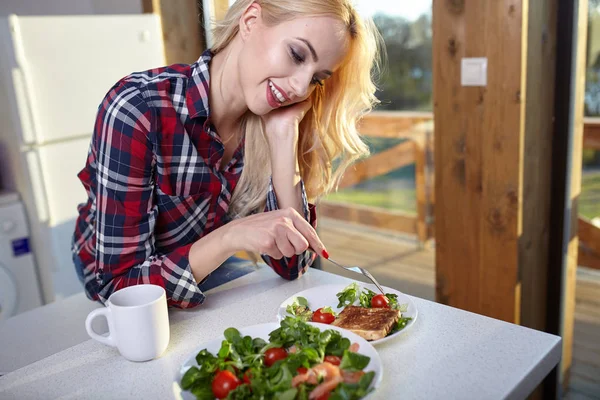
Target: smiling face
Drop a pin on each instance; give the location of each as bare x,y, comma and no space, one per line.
282,64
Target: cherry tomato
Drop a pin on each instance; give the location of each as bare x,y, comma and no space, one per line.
324,318
380,301
335,360
223,383
247,377
301,370
274,354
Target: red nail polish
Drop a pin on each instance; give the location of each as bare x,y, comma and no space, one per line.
325,253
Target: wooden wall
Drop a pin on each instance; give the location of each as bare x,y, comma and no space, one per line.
479,136
494,157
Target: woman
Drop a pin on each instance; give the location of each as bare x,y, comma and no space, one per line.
190,164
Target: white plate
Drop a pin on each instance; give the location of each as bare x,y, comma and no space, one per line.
325,295
262,331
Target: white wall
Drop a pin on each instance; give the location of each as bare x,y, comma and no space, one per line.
69,7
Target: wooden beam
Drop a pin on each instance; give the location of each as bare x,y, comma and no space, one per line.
370,216
391,124
591,133
182,28
397,157
588,258
402,124
220,7
478,136
589,234
424,185
574,189
536,161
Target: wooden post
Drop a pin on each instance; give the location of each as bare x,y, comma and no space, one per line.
566,174
182,28
478,156
421,190
424,186
494,161
430,184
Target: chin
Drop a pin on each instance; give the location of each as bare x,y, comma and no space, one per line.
258,108
260,111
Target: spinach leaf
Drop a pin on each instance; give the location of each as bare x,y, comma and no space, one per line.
349,295
289,394
203,392
401,324
299,308
242,392
365,297
353,361
190,377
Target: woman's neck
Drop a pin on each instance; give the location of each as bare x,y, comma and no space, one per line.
227,104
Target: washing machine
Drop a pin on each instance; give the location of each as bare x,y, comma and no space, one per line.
19,286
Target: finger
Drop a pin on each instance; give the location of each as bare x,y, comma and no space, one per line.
268,247
309,234
275,253
284,245
297,240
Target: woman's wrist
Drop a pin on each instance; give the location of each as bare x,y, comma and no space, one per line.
209,252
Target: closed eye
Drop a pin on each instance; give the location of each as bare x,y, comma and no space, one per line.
298,59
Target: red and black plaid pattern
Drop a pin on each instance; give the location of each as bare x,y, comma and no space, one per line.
155,185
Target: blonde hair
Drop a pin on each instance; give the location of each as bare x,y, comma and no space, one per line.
328,130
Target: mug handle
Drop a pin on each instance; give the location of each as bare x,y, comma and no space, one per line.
107,340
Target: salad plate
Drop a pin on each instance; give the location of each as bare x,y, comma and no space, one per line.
371,366
358,294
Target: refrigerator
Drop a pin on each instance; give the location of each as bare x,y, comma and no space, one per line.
54,72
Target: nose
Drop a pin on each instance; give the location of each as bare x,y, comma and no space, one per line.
300,84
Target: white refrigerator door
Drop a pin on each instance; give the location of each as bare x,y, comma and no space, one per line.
59,69
65,66
69,63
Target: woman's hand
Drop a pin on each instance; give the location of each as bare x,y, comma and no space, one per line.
282,123
276,233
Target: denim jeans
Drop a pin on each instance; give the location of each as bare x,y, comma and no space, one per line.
78,267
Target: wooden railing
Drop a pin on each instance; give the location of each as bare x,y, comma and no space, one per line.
418,150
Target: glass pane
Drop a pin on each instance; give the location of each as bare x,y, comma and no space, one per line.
393,191
406,30
371,224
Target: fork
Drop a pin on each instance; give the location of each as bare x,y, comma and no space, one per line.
359,270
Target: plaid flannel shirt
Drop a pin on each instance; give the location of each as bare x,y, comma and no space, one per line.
155,186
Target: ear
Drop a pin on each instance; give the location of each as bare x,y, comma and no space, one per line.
249,20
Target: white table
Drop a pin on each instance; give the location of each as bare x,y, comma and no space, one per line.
448,353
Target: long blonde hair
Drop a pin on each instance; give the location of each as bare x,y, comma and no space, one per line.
328,130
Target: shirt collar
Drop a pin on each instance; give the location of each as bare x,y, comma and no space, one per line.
198,87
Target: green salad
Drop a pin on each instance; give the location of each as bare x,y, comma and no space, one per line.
298,362
350,295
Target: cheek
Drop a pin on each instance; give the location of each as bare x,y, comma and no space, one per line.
309,92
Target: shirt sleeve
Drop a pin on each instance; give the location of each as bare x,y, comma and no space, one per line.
126,212
293,267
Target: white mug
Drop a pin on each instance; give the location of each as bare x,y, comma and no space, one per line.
138,322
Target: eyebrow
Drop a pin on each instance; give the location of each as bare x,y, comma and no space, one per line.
314,53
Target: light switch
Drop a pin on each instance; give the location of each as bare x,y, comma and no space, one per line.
473,72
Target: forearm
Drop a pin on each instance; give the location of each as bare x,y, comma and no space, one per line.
286,174
210,251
